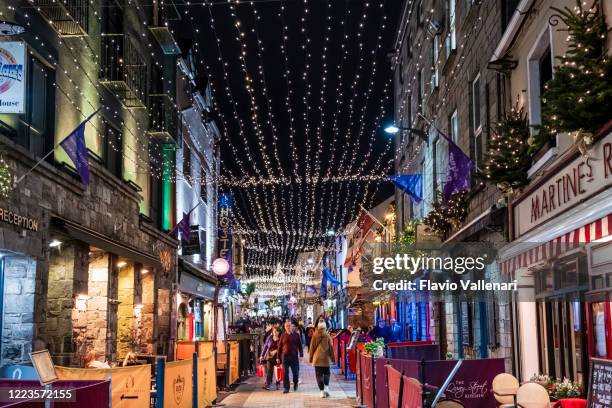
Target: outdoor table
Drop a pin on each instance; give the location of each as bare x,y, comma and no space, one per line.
507,392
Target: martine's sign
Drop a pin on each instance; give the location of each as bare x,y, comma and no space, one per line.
12,76
579,180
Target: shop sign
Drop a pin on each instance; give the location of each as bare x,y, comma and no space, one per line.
192,246
580,179
12,76
224,236
600,378
21,221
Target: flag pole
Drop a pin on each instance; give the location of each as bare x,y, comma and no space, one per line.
20,179
448,139
375,219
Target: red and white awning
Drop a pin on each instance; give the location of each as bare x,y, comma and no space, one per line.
590,232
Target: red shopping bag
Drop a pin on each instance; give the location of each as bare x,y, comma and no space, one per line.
278,373
260,371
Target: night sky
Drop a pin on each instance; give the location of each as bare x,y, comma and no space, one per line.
305,102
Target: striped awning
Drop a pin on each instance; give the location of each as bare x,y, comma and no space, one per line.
590,232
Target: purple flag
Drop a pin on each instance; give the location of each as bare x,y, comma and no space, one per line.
183,227
74,145
459,176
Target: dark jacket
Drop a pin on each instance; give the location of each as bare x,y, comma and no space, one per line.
291,346
395,333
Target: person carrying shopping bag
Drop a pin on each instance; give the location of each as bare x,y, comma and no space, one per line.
321,355
290,348
270,357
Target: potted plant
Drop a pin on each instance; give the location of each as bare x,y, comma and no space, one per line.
375,348
565,389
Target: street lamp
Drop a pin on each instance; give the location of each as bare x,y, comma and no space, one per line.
393,129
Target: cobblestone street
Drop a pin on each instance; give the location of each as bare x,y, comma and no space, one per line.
251,395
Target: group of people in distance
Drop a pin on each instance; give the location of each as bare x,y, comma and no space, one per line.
285,345
391,333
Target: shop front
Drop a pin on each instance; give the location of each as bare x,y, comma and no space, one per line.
195,302
560,257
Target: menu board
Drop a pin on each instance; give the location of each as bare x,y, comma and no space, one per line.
600,384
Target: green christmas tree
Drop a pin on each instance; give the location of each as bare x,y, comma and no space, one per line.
507,159
579,96
6,178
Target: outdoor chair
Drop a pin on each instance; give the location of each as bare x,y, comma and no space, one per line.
505,387
532,395
449,404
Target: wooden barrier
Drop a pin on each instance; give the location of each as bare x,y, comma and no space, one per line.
394,387
234,361
368,380
411,393
207,380
131,386
178,384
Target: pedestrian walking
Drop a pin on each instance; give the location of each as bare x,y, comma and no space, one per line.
290,351
270,357
321,355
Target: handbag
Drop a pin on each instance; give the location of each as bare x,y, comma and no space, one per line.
278,373
260,371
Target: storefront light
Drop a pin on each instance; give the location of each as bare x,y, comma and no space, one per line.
55,243
121,264
144,271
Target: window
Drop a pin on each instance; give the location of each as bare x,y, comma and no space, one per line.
204,185
435,54
34,129
440,164
419,13
113,149
187,163
507,11
540,71
451,39
477,121
421,90
453,127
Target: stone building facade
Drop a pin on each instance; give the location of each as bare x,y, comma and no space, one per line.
444,87
96,268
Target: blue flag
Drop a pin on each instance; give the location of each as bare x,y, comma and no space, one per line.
412,184
459,176
74,145
330,278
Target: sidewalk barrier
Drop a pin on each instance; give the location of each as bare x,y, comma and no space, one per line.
206,380
234,361
368,380
358,382
415,352
130,386
412,393
178,384
410,343
87,393
394,387
352,356
407,367
337,351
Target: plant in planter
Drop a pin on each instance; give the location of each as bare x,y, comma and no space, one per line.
507,159
375,348
445,216
578,98
543,379
565,389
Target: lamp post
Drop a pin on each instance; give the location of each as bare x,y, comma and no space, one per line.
394,129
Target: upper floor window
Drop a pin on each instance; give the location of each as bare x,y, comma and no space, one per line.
440,161
477,120
419,13
34,129
187,163
540,71
453,127
421,89
435,54
113,149
451,39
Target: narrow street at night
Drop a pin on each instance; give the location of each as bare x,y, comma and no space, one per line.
306,203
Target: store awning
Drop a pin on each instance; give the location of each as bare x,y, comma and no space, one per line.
595,230
105,243
196,286
493,216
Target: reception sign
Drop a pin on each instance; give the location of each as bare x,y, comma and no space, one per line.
131,386
12,76
178,384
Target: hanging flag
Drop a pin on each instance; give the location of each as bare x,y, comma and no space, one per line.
323,292
74,145
364,223
183,227
412,184
330,278
460,167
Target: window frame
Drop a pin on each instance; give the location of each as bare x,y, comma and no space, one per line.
476,107
534,94
453,126
116,167
451,19
435,56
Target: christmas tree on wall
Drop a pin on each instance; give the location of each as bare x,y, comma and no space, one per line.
507,159
579,97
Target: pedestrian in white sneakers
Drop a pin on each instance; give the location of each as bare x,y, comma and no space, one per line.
321,356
